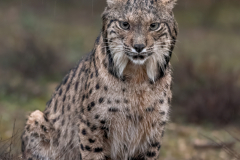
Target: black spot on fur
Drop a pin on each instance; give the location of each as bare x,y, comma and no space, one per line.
161,101
96,116
151,154
58,133
46,119
98,150
60,92
159,147
63,109
68,87
162,113
83,97
154,124
47,113
127,109
91,105
125,101
88,123
130,117
36,123
97,86
76,86
91,140
166,86
82,147
150,109
156,144
89,108
54,120
65,79
103,121
34,135
163,123
84,132
88,148
93,128
44,128
101,100
55,106
23,146
90,92
26,138
28,127
64,98
113,109
109,101
68,107
63,122
105,134
82,110
55,142
117,101
140,118
105,88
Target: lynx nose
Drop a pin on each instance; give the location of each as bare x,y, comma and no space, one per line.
139,47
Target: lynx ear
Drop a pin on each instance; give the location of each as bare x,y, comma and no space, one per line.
110,3
168,3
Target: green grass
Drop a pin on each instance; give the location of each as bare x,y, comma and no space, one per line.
179,142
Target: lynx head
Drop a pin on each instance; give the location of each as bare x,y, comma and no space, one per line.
141,32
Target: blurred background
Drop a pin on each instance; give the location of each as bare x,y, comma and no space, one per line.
41,40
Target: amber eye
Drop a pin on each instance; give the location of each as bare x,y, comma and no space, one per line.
154,26
124,25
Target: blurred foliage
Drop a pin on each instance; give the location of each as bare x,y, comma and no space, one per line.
41,40
209,97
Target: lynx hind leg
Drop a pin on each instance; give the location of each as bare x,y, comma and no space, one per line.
36,137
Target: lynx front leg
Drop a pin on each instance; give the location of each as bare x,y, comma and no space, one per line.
154,148
92,138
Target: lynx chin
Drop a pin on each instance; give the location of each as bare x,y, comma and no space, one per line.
114,104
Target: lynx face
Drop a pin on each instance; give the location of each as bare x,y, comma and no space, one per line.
140,31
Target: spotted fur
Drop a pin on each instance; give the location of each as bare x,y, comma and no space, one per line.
114,104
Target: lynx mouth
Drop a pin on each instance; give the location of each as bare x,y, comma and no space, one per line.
141,57
138,58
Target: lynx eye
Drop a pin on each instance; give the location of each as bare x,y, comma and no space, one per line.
154,26
124,25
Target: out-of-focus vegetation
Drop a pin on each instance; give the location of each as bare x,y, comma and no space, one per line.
41,40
